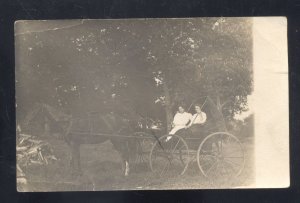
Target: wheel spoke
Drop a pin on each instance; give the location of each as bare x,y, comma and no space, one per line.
163,154
176,158
209,170
226,170
175,146
233,157
223,169
165,166
227,156
212,154
234,151
207,163
161,145
230,166
182,146
232,163
171,155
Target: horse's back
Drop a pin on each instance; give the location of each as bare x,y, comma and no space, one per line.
97,123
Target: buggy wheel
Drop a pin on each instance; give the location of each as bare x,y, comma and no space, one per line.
169,156
220,156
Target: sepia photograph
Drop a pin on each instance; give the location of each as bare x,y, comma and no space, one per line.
149,104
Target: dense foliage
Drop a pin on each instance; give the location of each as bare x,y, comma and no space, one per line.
147,65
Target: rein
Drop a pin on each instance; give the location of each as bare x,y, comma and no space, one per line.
194,103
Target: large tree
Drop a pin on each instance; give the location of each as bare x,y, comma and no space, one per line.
141,65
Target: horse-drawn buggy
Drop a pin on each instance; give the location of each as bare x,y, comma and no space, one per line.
218,153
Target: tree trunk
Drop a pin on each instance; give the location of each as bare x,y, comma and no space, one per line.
168,107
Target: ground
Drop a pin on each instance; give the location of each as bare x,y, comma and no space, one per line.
102,171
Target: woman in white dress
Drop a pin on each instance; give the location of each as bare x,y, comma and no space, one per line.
181,120
199,117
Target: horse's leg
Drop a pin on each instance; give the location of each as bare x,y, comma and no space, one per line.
122,148
78,159
130,148
126,173
75,157
71,162
125,160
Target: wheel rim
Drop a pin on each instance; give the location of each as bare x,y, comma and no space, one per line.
169,157
221,156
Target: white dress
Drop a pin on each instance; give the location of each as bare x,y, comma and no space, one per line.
198,118
180,121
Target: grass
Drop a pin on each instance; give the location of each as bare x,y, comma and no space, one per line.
102,171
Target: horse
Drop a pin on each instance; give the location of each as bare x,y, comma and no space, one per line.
100,128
